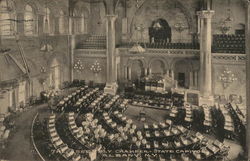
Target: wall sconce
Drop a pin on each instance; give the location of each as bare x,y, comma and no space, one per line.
78,66
227,77
96,68
224,27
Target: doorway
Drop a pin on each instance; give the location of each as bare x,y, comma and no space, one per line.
181,79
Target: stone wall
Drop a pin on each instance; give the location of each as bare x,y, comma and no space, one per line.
237,14
237,87
31,45
87,59
172,11
97,16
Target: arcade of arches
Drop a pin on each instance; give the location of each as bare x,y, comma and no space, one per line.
147,74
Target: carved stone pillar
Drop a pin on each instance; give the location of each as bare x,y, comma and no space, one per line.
167,72
248,74
129,73
125,72
196,79
149,71
72,47
191,79
205,17
111,82
172,74
145,71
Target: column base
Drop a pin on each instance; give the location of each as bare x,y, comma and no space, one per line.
206,100
111,88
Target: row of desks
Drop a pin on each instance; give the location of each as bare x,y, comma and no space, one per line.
59,145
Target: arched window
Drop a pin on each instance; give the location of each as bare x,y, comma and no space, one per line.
46,22
61,23
7,18
29,23
86,22
82,21
76,22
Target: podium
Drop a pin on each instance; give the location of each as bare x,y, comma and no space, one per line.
111,88
158,83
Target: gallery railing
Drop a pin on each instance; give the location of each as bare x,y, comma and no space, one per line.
161,45
234,58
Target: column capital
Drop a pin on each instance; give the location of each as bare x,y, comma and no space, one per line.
205,14
247,2
111,17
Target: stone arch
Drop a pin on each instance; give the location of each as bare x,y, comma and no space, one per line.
158,66
51,5
80,6
190,20
137,69
185,60
82,13
142,61
182,69
64,9
161,59
33,4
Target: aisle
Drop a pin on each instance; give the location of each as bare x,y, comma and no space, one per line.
19,147
152,115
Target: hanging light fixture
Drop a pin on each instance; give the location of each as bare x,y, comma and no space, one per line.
137,48
225,24
229,13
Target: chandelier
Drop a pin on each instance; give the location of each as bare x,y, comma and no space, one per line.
227,77
96,68
137,48
78,66
43,76
180,27
225,24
